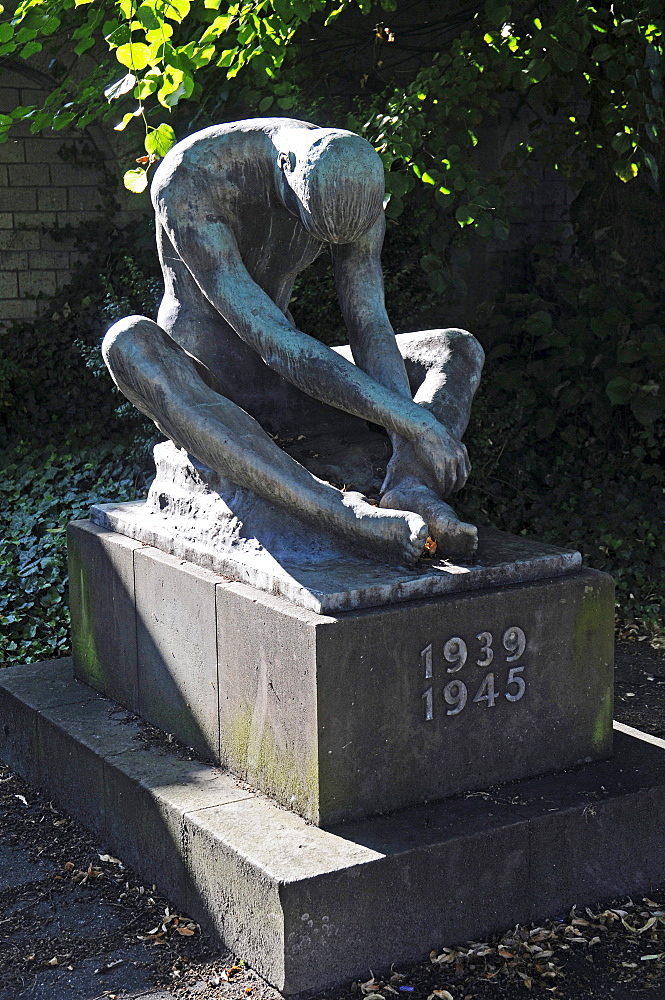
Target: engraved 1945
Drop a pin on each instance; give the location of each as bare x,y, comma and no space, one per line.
455,654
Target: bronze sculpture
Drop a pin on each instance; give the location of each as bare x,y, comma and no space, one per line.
241,210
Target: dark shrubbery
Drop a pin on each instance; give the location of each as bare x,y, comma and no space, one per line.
567,433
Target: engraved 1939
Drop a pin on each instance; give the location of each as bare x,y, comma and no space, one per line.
481,689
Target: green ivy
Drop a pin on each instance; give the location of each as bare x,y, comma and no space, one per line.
39,494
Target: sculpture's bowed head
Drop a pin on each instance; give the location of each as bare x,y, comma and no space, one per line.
332,180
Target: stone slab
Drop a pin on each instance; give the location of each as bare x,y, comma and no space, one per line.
380,709
307,907
367,711
319,575
177,648
101,589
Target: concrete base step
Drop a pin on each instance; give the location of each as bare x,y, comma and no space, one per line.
308,907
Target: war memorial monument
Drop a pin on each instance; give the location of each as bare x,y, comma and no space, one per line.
404,721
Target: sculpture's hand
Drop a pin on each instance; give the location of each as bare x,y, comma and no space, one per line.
446,458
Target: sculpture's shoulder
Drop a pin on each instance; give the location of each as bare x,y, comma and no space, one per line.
233,157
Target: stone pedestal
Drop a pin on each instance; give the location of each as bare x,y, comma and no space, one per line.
340,716
196,515
309,908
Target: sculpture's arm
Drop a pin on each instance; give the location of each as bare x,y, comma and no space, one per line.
359,282
209,250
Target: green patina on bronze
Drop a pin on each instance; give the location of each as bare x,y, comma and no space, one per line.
255,755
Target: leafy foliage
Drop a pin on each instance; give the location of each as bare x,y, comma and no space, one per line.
568,428
53,383
590,75
39,495
161,46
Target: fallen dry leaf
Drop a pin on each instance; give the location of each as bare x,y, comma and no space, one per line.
231,972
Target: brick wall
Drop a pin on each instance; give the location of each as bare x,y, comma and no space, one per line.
37,192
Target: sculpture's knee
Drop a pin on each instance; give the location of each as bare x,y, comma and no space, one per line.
466,347
126,337
129,348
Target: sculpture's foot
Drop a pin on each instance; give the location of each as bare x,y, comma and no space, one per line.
393,535
455,539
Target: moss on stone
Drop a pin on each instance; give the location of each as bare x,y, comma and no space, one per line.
87,661
593,642
274,769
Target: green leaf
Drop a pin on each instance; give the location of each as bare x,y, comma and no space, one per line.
120,87
622,142
443,197
394,208
63,120
176,10
602,52
83,46
30,49
145,14
628,353
465,215
564,59
619,390
135,180
497,12
135,55
537,70
159,141
626,170
650,163
539,323
119,35
175,84
218,27
332,15
430,263
227,57
398,184
122,125
148,85
437,282
646,408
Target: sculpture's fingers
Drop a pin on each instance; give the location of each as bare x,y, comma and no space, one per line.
467,463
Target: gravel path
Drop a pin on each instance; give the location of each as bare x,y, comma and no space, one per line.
76,925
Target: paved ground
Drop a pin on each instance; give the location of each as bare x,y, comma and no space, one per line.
76,925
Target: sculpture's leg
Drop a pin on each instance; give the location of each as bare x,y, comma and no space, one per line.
163,381
444,369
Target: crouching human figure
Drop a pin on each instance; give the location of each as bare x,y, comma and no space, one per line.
241,210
